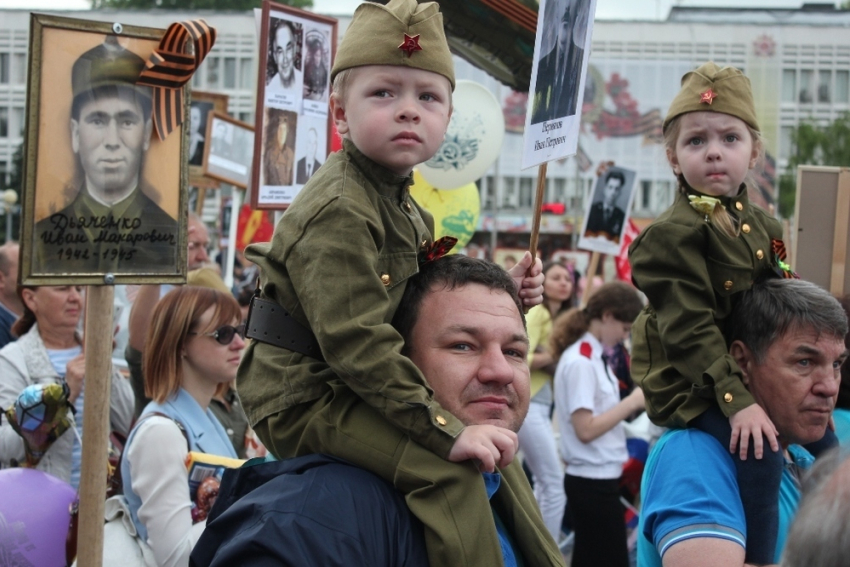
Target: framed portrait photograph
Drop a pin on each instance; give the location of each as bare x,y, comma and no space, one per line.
104,198
556,93
230,150
607,212
203,104
293,122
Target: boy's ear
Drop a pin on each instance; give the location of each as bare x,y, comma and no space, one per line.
674,161
338,114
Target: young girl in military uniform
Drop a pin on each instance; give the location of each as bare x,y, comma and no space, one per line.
692,263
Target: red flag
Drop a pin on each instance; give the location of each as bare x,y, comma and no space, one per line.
624,269
253,226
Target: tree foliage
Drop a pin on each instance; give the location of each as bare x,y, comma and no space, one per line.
241,5
814,145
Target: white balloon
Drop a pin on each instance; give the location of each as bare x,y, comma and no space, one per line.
473,140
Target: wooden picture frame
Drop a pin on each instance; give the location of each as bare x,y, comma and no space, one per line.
228,155
820,251
203,103
97,212
293,122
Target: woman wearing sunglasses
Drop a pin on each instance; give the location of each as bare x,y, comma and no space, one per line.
193,349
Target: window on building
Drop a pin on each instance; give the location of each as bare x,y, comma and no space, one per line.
247,77
645,194
19,68
559,191
230,72
785,146
247,117
510,197
526,193
663,194
824,85
212,72
842,86
4,68
806,86
18,122
487,192
196,78
4,122
4,172
789,85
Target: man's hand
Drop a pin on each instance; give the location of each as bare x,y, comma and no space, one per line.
490,445
752,421
528,277
75,373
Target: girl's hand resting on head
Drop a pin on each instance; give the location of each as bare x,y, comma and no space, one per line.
752,421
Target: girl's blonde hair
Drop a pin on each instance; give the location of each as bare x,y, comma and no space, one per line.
720,217
174,317
617,298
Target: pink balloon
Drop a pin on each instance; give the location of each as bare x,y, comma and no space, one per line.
34,518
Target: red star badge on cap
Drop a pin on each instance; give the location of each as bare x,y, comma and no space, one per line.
410,44
707,97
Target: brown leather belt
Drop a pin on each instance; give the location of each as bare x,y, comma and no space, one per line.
270,323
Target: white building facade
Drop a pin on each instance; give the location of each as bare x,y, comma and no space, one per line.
797,60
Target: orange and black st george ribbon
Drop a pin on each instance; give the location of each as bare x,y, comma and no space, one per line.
172,64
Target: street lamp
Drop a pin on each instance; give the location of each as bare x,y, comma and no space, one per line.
10,197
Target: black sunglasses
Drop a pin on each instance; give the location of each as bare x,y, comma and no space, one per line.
224,335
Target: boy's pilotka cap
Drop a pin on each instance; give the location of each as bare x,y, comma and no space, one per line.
401,33
711,88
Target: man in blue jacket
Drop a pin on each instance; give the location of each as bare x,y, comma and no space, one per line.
463,327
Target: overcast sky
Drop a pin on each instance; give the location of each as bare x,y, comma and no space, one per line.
605,9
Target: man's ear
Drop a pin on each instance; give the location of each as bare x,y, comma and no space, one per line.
744,357
75,135
338,114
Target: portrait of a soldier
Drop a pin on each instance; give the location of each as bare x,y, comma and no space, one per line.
111,223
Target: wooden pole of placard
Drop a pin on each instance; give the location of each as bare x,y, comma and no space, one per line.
538,209
98,353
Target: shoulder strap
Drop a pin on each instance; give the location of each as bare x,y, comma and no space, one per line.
177,423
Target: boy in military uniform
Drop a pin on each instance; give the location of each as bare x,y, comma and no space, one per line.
325,373
111,225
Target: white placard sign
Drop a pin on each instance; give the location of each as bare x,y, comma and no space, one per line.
556,93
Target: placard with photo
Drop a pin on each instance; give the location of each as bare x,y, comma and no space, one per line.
103,195
293,92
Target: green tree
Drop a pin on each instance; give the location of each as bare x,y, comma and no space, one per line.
814,145
194,4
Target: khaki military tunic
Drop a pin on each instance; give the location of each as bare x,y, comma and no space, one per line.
338,262
692,275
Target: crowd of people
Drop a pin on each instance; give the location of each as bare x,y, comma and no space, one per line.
393,382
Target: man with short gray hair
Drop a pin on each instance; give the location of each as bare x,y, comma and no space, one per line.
788,338
11,306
